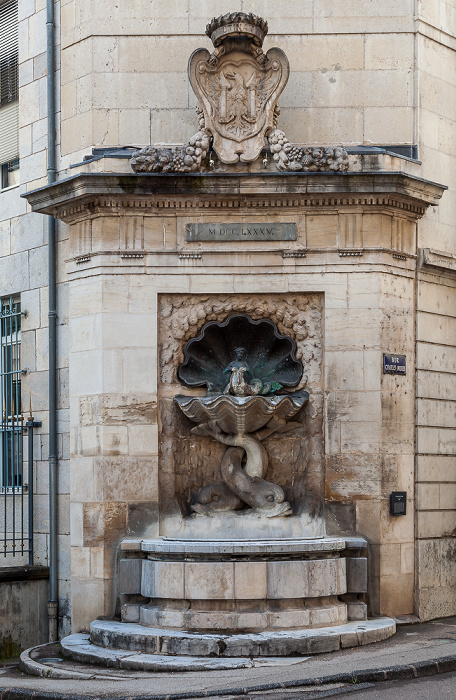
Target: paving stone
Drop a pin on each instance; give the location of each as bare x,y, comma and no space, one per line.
149,662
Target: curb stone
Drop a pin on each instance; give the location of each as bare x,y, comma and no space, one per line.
420,669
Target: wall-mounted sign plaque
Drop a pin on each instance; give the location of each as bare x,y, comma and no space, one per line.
240,232
393,364
398,503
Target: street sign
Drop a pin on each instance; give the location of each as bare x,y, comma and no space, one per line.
393,364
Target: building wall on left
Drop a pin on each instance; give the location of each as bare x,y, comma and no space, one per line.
23,613
24,273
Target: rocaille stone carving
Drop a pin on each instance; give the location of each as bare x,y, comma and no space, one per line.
183,316
238,87
242,408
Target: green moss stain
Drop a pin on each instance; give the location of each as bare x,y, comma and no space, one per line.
9,649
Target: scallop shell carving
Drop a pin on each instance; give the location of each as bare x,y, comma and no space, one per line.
269,355
241,414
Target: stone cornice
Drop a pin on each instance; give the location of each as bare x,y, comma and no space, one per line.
83,192
437,261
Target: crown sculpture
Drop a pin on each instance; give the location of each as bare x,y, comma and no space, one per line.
238,87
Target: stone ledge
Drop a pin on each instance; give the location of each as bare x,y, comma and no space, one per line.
167,545
437,260
13,574
235,621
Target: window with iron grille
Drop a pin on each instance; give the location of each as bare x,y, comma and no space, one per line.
9,94
12,420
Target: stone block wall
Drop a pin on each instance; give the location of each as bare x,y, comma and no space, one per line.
436,329
370,429
23,273
114,433
436,63
436,445
124,73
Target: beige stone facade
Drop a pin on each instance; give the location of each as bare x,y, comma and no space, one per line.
382,263
360,282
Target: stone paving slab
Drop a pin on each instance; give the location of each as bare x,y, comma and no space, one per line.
416,650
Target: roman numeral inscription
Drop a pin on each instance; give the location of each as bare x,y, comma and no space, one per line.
240,232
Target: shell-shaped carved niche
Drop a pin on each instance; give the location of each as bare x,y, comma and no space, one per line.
268,355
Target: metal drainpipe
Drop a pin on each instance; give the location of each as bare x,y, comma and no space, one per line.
51,171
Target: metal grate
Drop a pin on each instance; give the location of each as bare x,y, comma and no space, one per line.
16,482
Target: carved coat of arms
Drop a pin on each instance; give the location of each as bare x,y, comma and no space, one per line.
238,86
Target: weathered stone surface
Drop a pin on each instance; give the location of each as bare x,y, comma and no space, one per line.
232,420
241,232
238,85
233,548
79,648
215,587
356,610
356,574
209,581
288,579
187,158
163,579
250,580
310,159
132,637
130,612
130,576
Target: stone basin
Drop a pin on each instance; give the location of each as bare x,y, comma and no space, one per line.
241,414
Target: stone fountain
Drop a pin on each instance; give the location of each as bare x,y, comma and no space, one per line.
258,588
242,567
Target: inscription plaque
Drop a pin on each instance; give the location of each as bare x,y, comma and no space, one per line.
240,232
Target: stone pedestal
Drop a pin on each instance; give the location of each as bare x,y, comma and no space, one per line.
243,586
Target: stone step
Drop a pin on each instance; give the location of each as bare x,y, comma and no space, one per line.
123,645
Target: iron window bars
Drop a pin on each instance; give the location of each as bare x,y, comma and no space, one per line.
16,488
